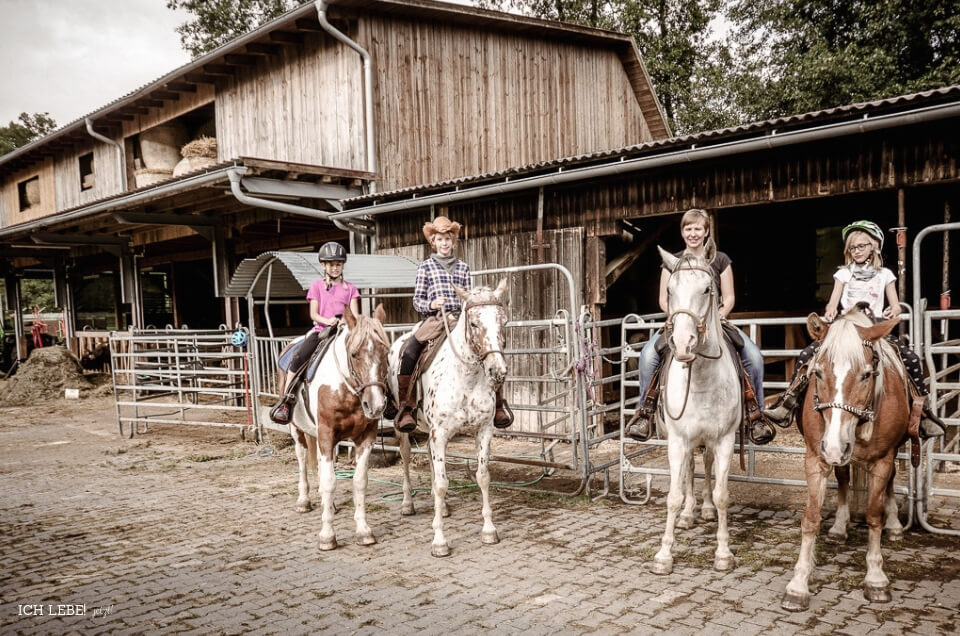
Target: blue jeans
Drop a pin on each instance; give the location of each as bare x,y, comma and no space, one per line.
750,354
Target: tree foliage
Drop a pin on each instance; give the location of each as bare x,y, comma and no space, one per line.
216,22
27,128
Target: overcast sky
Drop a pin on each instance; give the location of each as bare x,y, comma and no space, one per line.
70,57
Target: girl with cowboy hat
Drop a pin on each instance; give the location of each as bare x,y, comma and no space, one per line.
328,296
861,279
434,291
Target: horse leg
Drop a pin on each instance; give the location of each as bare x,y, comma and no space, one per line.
328,482
364,449
891,515
406,508
838,532
303,444
876,585
796,598
723,558
708,511
438,449
444,508
687,519
679,465
489,533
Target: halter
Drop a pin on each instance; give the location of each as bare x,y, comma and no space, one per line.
863,414
699,321
356,387
471,341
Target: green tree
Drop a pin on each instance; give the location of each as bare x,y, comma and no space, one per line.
37,292
26,129
216,22
802,55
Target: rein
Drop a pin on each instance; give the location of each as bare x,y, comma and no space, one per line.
477,351
864,414
356,387
700,322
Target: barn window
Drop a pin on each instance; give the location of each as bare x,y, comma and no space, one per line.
87,177
28,192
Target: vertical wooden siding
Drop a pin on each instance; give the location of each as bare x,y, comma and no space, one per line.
11,199
67,175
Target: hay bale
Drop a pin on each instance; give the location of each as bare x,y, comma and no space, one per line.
148,176
160,145
44,376
190,164
32,192
200,147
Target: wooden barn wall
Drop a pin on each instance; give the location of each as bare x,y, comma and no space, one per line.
171,110
12,214
452,101
898,158
67,174
304,105
530,296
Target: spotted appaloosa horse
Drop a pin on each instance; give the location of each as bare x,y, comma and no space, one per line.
856,409
701,403
344,401
458,396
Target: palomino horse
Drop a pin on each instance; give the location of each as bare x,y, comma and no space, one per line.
458,396
701,404
856,408
343,401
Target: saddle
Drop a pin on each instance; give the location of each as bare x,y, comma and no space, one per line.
430,350
309,368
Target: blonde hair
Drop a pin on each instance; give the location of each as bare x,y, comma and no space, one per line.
696,215
875,260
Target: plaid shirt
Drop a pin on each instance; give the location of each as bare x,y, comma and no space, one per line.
433,281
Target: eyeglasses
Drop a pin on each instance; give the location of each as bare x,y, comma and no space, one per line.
861,246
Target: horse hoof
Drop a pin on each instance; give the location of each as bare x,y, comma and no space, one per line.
709,514
440,550
795,602
327,544
723,564
836,538
894,534
877,593
662,566
685,522
305,507
366,539
489,538
407,509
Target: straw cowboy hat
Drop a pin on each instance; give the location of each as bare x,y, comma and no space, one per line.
440,225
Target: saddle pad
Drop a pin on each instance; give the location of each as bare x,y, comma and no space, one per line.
284,361
322,346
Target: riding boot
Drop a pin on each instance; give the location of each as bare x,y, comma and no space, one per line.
405,421
641,426
503,417
930,424
782,413
761,431
280,413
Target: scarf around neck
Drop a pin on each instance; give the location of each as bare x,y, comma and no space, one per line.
863,272
449,263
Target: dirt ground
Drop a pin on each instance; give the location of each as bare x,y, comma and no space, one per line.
190,528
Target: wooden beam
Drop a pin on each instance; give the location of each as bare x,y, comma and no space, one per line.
165,95
256,48
149,103
118,117
136,110
238,59
199,78
220,69
183,87
305,24
285,37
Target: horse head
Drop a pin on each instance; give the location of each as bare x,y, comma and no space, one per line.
367,348
847,380
691,297
484,319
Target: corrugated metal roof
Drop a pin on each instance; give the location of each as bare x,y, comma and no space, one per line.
293,273
710,137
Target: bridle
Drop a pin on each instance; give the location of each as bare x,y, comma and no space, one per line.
864,414
350,378
699,321
475,347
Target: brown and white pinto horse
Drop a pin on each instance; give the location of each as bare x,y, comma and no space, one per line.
856,409
343,401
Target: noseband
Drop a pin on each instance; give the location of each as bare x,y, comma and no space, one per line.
475,347
699,321
864,414
350,379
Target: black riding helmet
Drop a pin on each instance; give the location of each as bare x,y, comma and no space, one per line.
331,252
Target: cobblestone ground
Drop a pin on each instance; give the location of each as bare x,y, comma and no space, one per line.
193,531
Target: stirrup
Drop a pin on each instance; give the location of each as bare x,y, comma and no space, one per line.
759,428
637,431
931,425
280,413
410,426
503,417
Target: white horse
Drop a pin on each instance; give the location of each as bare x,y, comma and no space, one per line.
458,392
701,401
343,401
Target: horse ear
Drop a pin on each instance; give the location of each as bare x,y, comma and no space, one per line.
380,314
669,260
502,287
879,330
348,316
462,293
816,327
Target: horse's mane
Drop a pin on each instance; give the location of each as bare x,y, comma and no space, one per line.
365,329
843,343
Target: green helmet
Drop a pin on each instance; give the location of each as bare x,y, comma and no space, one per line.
868,227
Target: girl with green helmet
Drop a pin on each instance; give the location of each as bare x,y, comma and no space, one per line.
861,279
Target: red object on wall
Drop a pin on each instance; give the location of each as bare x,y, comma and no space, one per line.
945,300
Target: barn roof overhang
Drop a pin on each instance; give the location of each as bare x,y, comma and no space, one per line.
290,274
855,119
288,30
